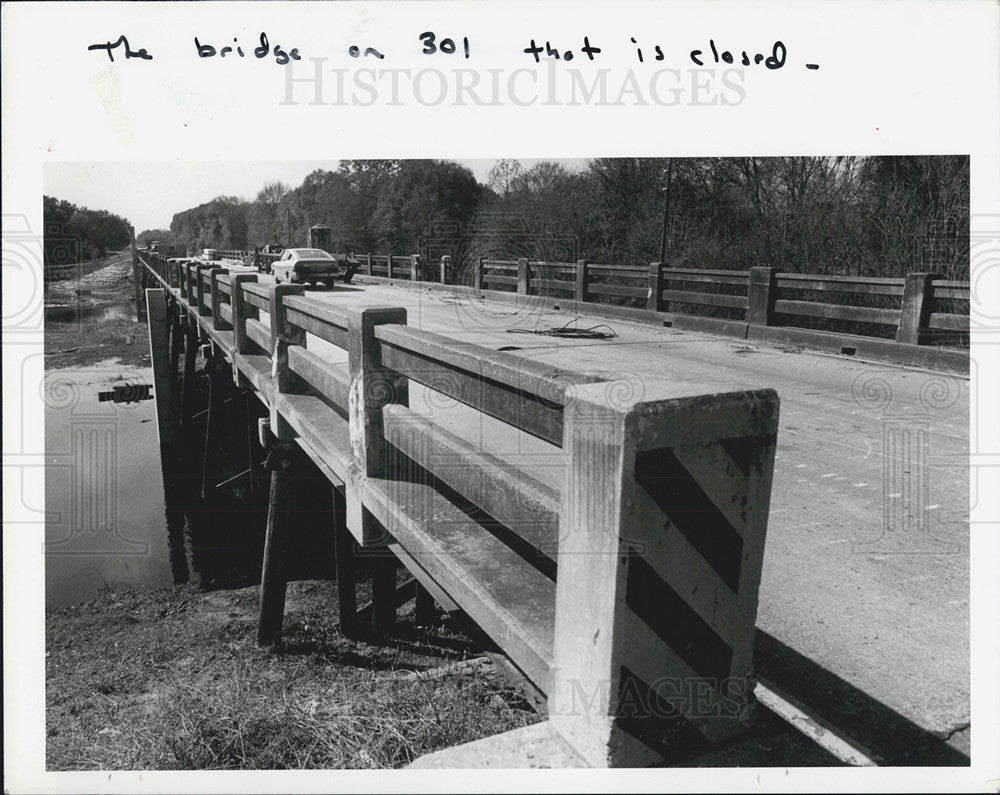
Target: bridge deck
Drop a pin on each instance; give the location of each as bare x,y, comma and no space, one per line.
866,571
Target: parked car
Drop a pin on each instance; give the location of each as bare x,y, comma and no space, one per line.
304,265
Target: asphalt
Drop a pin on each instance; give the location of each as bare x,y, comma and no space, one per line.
864,602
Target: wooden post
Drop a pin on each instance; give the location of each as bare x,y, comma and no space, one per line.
219,323
159,333
445,267
663,517
187,385
580,291
241,312
477,275
368,264
915,311
345,554
388,266
762,291
415,273
284,335
372,387
273,580
213,422
384,566
654,294
424,613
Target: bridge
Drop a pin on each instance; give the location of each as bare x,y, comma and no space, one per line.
598,506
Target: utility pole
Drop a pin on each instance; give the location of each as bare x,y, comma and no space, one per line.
667,175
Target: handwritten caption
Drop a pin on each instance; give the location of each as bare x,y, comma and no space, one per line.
430,44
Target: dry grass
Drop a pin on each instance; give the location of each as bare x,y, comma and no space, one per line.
173,680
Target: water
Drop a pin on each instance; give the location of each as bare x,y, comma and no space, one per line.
106,513
70,313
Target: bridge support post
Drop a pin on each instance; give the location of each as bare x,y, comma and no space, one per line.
915,311
371,387
273,582
523,277
159,334
762,292
213,422
187,384
664,510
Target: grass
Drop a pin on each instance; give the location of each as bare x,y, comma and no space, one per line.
174,680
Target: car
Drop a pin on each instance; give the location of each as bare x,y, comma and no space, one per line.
304,265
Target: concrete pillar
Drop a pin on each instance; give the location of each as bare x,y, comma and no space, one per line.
762,291
654,294
580,291
372,387
915,311
523,277
663,517
241,312
201,296
284,335
219,323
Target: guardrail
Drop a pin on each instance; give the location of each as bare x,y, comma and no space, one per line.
637,564
919,319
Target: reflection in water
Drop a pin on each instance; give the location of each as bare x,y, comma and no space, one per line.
123,512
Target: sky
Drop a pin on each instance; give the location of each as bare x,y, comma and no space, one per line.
148,194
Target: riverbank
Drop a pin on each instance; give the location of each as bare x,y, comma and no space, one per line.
92,318
172,679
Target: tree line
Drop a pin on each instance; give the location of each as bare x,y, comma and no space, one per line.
870,216
73,234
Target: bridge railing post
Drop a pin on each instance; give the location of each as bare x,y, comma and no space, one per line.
388,266
445,268
200,289
523,277
242,310
915,310
283,335
477,275
662,523
762,291
368,264
415,268
580,287
654,293
371,387
218,322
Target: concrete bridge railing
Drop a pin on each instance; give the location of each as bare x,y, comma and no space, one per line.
765,304
623,586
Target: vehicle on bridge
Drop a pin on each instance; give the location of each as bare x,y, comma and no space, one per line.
305,265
